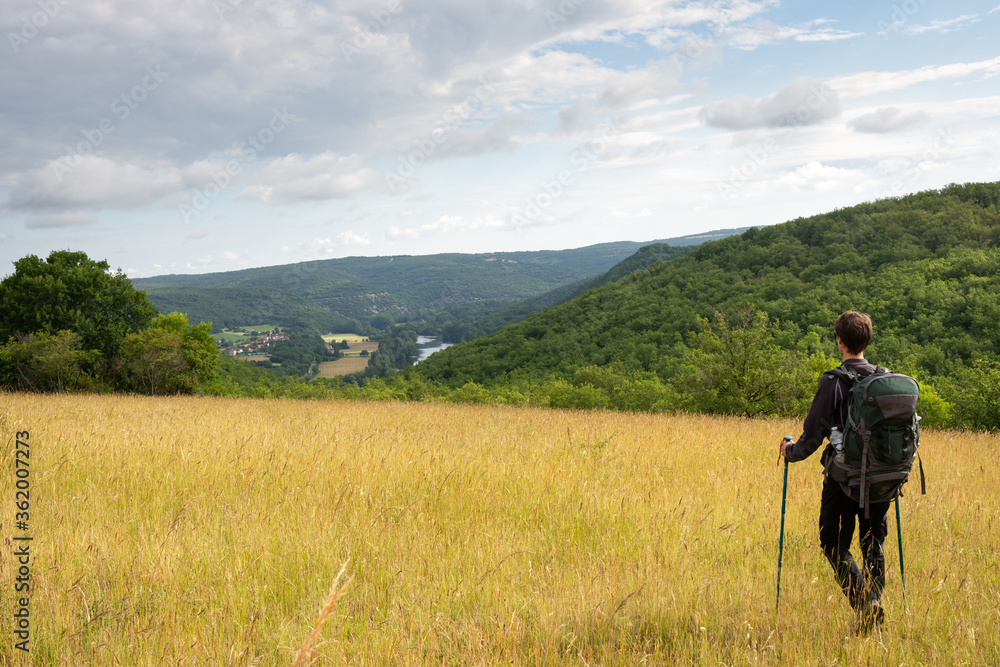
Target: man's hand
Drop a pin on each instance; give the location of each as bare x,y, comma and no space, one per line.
785,443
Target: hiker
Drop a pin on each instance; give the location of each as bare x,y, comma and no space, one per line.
838,511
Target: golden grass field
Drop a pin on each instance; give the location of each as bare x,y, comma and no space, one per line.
198,531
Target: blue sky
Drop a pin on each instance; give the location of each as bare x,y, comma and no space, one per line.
190,136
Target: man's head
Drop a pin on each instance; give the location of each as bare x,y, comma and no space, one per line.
854,330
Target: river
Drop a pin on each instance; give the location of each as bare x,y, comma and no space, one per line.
428,345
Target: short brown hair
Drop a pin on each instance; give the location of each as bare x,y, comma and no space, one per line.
854,330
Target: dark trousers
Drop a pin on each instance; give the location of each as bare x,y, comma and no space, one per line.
838,514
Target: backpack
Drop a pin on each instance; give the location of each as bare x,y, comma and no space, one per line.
881,436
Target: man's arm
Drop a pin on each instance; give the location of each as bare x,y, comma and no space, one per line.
819,421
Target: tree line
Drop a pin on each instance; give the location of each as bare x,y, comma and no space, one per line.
67,323
743,325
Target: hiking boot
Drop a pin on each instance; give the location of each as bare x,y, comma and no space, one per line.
870,616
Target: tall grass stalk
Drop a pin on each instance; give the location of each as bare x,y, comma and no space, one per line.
336,592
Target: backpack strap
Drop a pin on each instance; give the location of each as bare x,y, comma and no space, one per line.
866,449
920,463
923,482
846,372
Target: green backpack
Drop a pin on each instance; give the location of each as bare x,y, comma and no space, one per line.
881,436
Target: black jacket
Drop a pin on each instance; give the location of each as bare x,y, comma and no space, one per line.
828,409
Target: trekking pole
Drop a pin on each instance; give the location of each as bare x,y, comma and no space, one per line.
781,535
899,539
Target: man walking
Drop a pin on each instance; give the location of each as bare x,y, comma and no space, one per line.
839,512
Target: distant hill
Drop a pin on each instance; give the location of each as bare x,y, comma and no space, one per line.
473,320
406,287
925,266
231,307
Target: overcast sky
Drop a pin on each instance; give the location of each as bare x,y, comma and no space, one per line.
190,136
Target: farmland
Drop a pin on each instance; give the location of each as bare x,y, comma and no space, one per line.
343,366
208,531
352,360
349,337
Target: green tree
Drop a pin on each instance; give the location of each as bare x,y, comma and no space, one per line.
170,357
46,362
934,411
381,321
975,391
738,369
69,291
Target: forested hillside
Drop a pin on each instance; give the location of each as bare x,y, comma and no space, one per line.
474,320
231,307
926,267
406,288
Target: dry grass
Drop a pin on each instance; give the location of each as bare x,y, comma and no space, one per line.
349,337
336,592
190,531
342,366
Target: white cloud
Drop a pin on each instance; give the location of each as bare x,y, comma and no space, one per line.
760,33
326,176
888,119
868,83
803,102
623,89
826,35
92,182
497,137
939,25
815,176
95,183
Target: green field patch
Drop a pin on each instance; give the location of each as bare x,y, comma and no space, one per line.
355,349
233,335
